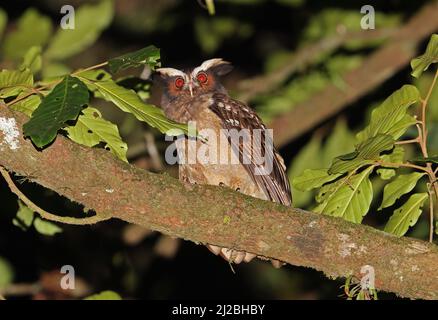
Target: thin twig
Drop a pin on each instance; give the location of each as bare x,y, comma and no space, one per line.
424,102
422,136
381,64
53,83
152,149
416,140
90,68
303,58
47,215
20,289
20,98
401,165
431,216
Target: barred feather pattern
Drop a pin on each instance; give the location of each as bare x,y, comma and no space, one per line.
236,115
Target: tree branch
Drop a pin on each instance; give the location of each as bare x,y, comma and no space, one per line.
94,178
380,66
302,59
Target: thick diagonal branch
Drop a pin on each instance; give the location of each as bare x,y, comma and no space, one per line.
216,215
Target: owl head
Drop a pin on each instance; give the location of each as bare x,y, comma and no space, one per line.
199,80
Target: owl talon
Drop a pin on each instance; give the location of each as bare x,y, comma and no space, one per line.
215,249
248,257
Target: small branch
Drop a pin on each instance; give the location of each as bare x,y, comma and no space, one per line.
50,84
423,121
431,213
302,59
44,214
401,165
382,64
96,66
152,149
416,140
20,289
20,98
423,144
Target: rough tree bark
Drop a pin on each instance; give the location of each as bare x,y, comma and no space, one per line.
220,216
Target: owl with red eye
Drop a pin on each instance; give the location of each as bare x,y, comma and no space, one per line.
198,96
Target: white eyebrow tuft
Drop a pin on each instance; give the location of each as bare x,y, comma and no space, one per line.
171,72
208,64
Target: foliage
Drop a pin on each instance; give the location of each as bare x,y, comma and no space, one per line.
59,103
6,273
147,56
354,291
90,21
421,63
25,218
63,103
345,189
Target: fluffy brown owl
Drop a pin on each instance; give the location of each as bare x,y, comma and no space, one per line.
198,96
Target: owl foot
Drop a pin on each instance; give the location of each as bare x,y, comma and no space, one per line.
235,256
231,255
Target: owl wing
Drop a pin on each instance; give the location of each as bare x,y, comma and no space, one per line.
236,115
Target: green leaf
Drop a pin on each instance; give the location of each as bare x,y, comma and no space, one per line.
12,82
128,101
147,56
210,7
105,295
339,142
432,159
33,29
32,60
407,215
46,228
6,273
351,200
307,158
396,156
423,62
91,129
312,178
366,153
24,217
63,103
372,147
399,186
326,190
90,21
390,117
28,105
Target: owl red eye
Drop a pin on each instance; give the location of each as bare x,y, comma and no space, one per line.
202,77
179,82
